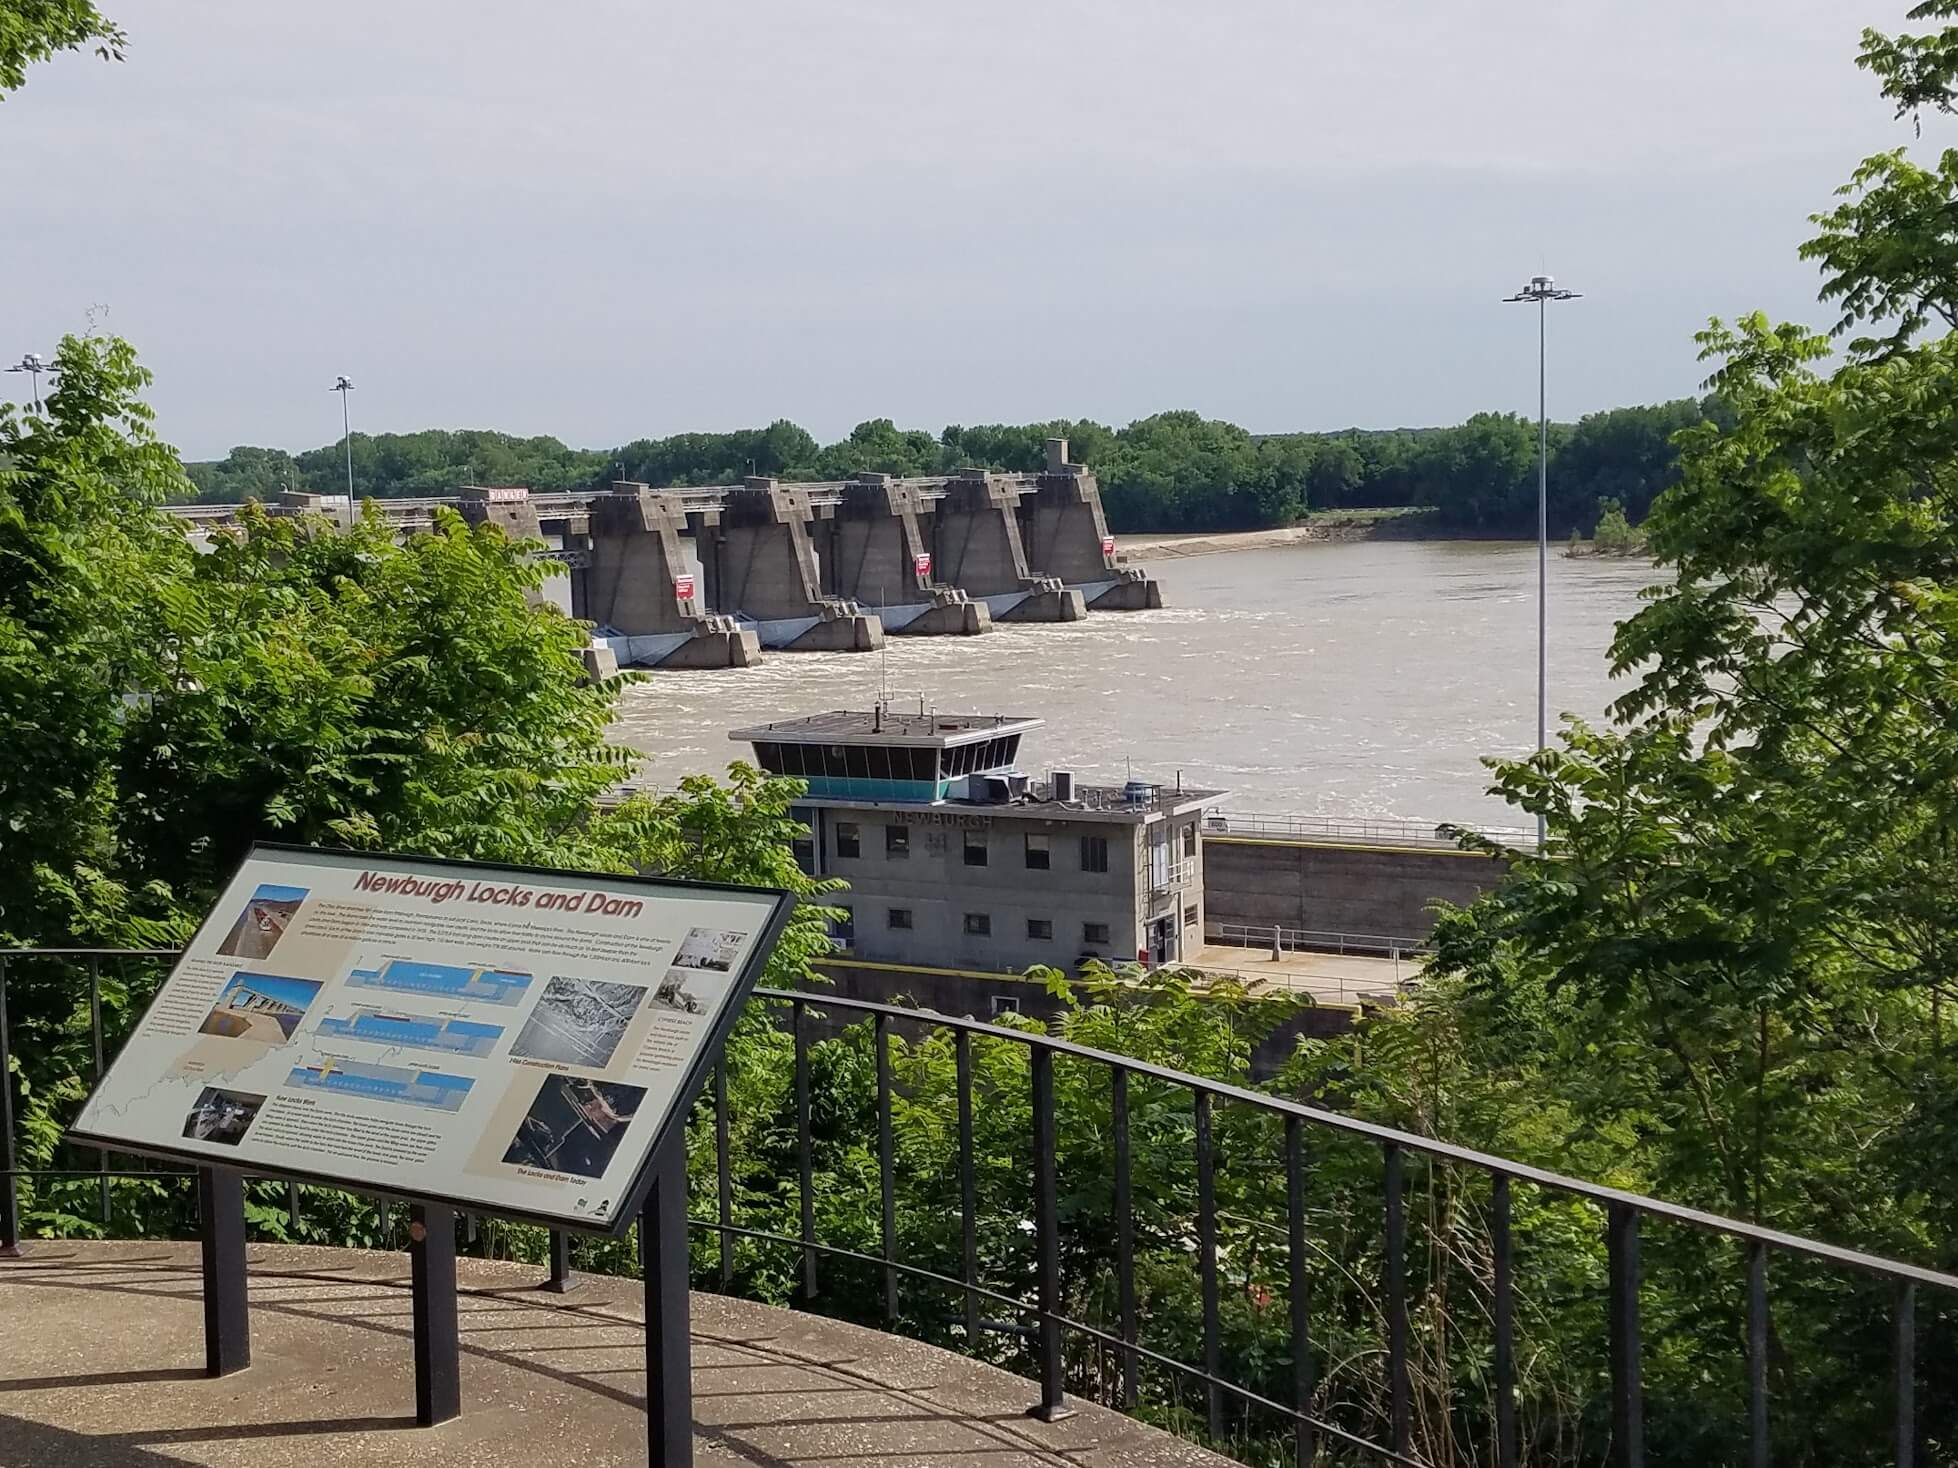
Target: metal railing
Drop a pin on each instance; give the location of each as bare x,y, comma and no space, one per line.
1271,936
1624,1216
1364,831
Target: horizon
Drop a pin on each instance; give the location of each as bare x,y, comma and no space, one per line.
665,223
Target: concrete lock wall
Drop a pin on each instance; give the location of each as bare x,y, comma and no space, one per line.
1381,890
637,561
871,545
762,567
1066,536
976,546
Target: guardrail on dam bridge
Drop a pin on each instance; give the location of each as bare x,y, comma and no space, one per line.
709,576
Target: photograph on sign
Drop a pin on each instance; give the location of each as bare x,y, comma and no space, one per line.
506,1040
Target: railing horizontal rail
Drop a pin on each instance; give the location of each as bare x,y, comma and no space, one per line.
1412,1141
1366,829
1623,1213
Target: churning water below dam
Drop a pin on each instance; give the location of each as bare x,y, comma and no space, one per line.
1361,679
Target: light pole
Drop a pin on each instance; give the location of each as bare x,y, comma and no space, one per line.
34,366
344,385
1542,290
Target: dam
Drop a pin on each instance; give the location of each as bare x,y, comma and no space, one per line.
710,577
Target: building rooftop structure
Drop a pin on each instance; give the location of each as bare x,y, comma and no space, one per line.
887,756
884,724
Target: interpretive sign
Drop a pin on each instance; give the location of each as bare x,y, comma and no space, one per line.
508,1040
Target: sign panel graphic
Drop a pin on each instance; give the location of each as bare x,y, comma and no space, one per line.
921,563
501,1039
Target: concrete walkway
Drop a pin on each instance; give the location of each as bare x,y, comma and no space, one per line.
1328,978
101,1359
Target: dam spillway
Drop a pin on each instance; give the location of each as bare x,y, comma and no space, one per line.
714,575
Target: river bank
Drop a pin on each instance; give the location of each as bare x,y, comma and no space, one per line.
1330,527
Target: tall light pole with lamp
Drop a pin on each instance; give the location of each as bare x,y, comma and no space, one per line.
1542,290
33,365
344,385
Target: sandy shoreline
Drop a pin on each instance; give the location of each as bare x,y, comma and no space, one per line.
1136,549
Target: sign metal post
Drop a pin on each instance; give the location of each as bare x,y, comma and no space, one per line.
227,1320
669,1347
432,1261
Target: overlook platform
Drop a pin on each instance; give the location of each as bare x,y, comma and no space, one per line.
101,1365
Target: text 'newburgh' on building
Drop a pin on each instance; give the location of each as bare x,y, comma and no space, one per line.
956,857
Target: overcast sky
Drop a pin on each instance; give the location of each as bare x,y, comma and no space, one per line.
634,217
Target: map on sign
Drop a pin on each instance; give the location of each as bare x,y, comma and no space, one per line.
507,1040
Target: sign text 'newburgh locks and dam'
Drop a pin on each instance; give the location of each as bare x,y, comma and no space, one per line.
507,1040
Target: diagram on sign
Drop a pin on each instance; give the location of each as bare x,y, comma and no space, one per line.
444,981
412,1032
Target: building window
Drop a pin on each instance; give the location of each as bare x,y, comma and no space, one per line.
897,841
1039,859
1189,917
1190,840
1005,1004
1094,853
900,917
1094,933
979,925
843,928
849,839
975,848
1040,928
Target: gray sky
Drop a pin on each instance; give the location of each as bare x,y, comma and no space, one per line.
616,218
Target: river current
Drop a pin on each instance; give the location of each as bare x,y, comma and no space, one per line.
1360,680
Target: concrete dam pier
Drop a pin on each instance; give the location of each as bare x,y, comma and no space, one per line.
713,576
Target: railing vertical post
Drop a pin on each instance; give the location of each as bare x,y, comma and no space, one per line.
1124,1233
432,1282
560,1278
805,1151
669,1344
292,1209
968,1193
1906,1366
1505,1291
1207,1262
1400,1414
1627,1389
1757,1354
9,1191
724,1174
1305,1437
886,1167
95,1040
384,1217
1047,1238
227,1318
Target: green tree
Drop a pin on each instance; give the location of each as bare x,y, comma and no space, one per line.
1742,931
90,598
33,31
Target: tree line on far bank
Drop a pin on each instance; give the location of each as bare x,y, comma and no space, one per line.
1172,471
